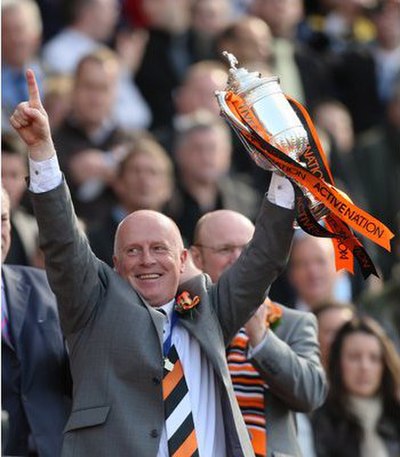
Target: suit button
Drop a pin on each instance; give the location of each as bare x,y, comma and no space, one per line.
156,381
154,433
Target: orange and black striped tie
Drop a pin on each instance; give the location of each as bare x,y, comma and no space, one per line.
181,434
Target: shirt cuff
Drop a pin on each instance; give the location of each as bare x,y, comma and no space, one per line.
252,352
44,175
281,191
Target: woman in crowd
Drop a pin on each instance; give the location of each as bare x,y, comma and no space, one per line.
361,417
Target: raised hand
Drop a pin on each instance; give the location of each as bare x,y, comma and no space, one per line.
31,122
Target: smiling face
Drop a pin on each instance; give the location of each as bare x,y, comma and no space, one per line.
149,254
362,364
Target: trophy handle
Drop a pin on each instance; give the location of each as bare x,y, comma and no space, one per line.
228,113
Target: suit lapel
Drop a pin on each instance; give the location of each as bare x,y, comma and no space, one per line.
207,341
157,319
18,295
203,325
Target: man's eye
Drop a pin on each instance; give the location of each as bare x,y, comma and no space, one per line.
160,248
225,250
133,251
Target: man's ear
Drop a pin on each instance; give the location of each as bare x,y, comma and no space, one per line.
116,263
196,256
184,258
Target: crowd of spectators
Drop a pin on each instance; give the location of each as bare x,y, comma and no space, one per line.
129,89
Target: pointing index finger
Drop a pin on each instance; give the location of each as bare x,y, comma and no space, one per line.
34,95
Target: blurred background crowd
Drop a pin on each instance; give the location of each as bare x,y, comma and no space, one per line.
129,89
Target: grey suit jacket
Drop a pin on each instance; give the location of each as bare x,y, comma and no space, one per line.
115,338
289,362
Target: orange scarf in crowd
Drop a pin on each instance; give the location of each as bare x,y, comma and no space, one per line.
249,388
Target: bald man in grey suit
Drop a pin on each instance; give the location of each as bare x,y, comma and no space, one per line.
112,322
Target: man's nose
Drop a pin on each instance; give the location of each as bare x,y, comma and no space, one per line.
147,257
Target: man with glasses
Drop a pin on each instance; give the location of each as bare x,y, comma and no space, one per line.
274,372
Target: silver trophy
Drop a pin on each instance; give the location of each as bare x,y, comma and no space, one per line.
283,128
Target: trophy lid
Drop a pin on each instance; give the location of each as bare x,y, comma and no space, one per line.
240,80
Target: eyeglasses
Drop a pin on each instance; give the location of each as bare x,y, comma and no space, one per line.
225,250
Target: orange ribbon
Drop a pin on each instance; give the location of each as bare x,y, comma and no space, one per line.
318,180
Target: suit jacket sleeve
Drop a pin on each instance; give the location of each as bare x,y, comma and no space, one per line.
242,287
292,368
71,266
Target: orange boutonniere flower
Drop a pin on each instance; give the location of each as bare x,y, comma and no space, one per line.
274,314
185,304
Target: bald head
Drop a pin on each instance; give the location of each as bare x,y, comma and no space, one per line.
149,254
220,237
312,268
146,218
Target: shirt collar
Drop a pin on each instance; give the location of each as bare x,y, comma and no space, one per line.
168,309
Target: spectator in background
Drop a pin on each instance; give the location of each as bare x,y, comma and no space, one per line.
87,138
21,27
386,49
331,316
208,20
249,39
92,25
292,59
169,52
384,305
312,272
203,159
35,379
57,99
274,372
378,161
376,65
195,93
144,180
361,416
334,118
345,24
23,225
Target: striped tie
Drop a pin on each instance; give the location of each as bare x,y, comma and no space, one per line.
181,434
249,389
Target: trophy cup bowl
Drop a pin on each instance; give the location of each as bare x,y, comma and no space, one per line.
280,124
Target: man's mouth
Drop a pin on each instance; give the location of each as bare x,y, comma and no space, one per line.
148,276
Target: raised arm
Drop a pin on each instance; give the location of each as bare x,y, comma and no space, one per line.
242,288
71,267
